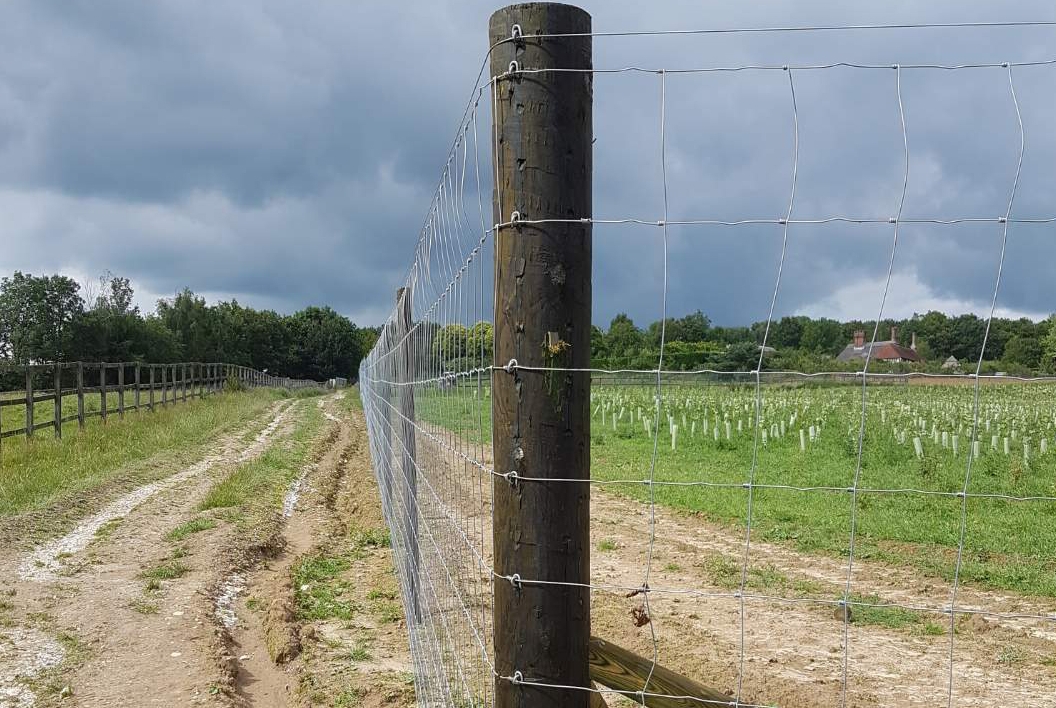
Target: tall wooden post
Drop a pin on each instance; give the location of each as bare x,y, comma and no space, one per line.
405,403
58,400
29,401
80,394
541,419
120,390
164,392
150,395
102,392
139,385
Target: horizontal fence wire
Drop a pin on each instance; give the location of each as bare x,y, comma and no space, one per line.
752,434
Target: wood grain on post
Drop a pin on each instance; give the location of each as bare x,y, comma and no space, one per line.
405,402
541,419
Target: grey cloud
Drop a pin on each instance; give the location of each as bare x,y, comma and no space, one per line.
286,154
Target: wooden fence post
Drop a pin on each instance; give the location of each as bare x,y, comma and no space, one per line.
150,396
121,391
102,392
138,386
29,401
164,396
80,395
58,400
541,418
405,403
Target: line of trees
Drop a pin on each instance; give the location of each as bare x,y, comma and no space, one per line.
48,318
1017,346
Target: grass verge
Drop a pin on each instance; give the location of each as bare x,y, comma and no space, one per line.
37,473
262,482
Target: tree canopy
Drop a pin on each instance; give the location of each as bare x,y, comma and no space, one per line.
46,318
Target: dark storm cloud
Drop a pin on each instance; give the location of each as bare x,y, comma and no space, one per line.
286,154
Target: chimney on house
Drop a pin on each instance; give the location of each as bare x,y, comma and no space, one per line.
913,342
859,338
894,334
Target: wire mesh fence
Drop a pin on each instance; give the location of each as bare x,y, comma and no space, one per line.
876,535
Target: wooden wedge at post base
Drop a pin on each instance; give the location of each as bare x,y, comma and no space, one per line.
622,670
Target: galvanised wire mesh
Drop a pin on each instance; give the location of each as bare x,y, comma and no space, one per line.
869,536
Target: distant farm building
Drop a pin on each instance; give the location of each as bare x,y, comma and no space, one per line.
951,364
888,350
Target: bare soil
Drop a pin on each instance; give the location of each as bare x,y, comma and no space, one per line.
83,624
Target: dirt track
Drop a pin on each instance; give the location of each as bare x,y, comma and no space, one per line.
80,629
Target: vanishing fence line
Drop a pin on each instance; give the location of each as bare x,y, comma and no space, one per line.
121,387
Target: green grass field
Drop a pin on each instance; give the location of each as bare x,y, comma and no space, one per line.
264,480
907,511
14,417
36,473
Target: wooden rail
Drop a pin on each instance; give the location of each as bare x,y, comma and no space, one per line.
622,670
150,385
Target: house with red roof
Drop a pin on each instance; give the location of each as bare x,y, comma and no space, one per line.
888,350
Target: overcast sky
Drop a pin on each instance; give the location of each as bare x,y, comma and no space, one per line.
285,154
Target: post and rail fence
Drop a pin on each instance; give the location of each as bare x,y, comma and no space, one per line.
79,391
